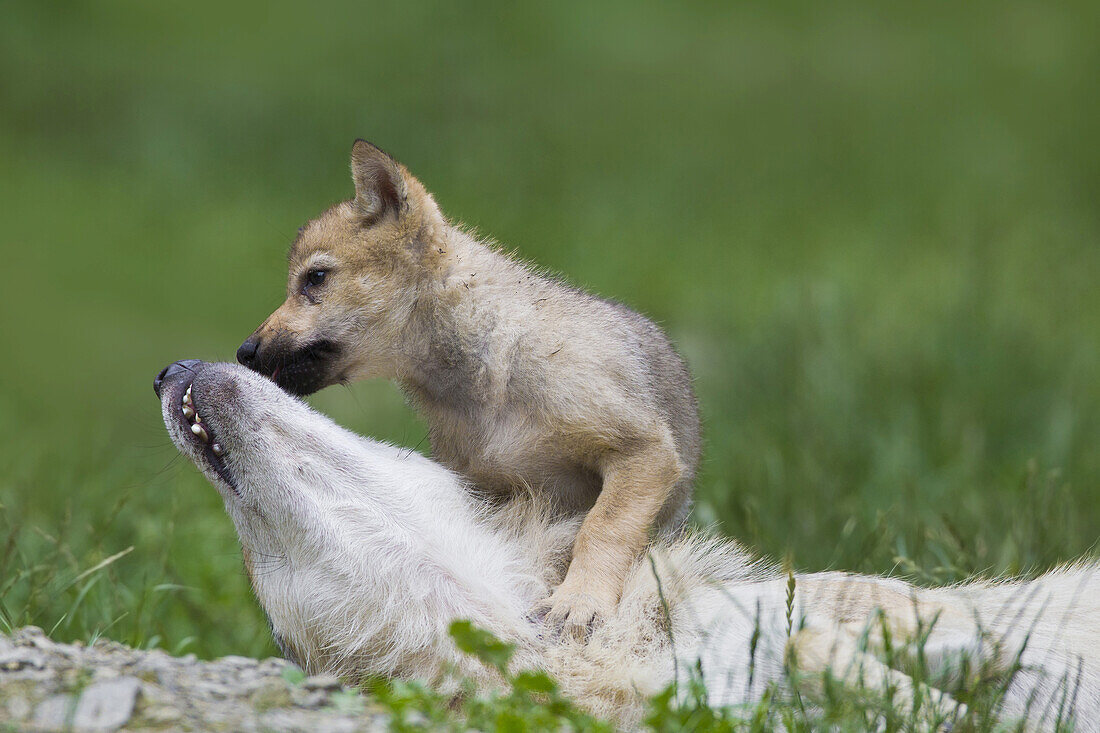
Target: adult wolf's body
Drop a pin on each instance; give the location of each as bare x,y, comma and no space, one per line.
526,383
362,554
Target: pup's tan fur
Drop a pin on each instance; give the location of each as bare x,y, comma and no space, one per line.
524,381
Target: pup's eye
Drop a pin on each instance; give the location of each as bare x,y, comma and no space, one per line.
316,277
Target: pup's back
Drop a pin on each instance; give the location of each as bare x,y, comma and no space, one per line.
670,388
538,380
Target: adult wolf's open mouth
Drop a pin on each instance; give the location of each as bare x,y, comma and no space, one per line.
204,435
174,385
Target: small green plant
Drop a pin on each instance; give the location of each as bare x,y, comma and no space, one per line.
293,675
529,701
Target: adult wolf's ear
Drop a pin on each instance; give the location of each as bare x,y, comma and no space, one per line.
380,186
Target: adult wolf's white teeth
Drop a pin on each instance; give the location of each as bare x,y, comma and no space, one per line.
198,430
217,448
187,397
188,412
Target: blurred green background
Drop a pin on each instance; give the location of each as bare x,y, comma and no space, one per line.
872,229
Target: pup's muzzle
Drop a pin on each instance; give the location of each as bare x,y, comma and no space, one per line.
176,370
298,369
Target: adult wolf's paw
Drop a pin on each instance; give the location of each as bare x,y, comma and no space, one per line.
572,614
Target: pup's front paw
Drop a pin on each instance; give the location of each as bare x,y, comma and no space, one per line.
571,613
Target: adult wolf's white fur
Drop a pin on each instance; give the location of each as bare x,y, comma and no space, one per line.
362,554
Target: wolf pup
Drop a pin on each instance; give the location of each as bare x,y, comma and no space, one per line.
526,382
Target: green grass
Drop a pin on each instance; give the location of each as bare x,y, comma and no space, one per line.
872,230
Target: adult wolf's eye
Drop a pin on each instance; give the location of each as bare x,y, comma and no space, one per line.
316,277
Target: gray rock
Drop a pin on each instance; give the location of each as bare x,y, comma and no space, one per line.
18,657
107,705
273,665
107,673
18,708
162,715
48,686
294,720
234,661
54,713
309,699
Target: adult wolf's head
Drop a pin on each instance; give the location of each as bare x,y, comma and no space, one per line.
295,484
361,553
262,448
273,457
354,276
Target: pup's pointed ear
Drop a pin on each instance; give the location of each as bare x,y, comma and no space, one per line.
380,185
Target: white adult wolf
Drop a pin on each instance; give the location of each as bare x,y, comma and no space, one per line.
362,554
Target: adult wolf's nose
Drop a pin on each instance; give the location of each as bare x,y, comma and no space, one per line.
174,369
246,355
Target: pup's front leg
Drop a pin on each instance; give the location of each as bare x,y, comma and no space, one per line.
578,605
612,537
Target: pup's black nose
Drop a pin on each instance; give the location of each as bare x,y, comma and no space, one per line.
172,370
246,355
